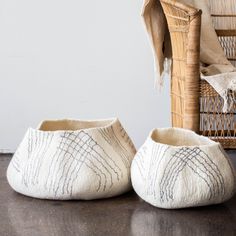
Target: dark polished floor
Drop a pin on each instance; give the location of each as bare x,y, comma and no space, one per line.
124,215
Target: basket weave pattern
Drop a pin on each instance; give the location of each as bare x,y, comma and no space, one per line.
195,104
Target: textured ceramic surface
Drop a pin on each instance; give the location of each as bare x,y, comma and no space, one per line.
68,159
176,168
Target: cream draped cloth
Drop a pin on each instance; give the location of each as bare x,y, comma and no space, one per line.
216,68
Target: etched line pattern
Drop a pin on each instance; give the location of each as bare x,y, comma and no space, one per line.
221,149
126,137
158,153
149,175
27,162
38,145
110,136
15,162
75,151
139,160
200,164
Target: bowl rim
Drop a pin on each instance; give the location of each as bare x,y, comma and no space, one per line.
211,143
111,122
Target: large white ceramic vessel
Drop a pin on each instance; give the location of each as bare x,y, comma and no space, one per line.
72,159
176,168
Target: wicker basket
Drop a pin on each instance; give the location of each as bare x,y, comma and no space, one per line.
195,104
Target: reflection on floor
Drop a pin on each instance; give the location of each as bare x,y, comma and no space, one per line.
124,215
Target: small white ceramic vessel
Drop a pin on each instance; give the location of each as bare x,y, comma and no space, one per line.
72,159
176,168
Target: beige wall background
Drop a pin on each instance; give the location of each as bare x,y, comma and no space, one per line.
76,59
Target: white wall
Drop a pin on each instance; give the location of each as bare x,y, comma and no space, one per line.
76,59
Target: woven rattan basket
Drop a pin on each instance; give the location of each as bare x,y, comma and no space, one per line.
194,103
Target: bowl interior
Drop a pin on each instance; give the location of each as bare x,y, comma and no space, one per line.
54,125
179,137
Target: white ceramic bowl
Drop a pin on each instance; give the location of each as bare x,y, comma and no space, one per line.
176,168
72,159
